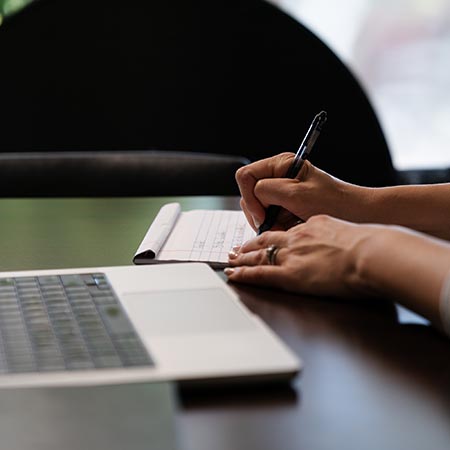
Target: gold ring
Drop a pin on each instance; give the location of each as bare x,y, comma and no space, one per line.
271,252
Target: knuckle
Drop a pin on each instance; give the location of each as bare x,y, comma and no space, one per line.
278,164
284,160
286,155
307,170
240,273
264,239
292,193
319,219
239,173
259,187
243,175
254,273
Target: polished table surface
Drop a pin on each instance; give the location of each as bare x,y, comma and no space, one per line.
375,376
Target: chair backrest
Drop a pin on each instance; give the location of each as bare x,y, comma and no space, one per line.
226,76
117,174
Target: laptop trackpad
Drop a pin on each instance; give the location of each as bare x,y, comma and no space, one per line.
186,312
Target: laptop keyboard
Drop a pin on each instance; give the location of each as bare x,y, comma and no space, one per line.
65,322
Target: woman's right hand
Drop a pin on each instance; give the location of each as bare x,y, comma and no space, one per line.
312,192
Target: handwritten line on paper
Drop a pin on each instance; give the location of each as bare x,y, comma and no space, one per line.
199,235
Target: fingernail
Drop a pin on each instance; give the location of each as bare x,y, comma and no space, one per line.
232,254
228,271
236,248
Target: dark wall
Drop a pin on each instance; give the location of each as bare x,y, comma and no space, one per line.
216,76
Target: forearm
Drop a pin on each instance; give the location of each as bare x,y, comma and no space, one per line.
405,266
424,208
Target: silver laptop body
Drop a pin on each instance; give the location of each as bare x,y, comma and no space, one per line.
115,325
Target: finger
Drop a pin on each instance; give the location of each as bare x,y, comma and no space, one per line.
248,176
284,221
305,171
284,192
271,276
258,258
254,258
263,241
273,167
247,214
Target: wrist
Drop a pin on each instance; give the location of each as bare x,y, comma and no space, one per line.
358,203
405,266
369,255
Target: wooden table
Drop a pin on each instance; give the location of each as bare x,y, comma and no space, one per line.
375,377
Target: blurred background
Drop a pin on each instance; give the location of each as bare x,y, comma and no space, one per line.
400,52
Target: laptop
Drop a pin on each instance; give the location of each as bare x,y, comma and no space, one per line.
113,325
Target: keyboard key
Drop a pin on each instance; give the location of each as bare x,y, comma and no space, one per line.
48,280
67,322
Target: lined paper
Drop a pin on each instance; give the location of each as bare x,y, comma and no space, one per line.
201,235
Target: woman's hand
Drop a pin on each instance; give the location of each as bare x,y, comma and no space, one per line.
313,192
318,257
333,258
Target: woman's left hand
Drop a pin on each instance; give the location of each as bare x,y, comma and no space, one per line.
318,257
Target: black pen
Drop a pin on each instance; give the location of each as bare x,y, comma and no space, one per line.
302,153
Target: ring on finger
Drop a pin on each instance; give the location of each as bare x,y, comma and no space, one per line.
271,253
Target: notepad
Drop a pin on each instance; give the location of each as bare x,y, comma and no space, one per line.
198,235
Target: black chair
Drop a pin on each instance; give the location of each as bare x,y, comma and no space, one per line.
234,77
117,174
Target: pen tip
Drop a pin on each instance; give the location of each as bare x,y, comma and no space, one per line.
320,120
322,116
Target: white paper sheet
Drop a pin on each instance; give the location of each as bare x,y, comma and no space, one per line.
198,235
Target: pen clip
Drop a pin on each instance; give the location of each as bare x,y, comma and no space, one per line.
310,144
307,144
